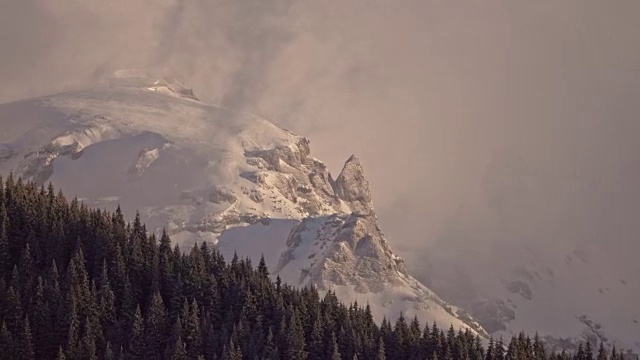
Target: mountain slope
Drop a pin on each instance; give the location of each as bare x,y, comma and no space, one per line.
568,290
565,297
212,174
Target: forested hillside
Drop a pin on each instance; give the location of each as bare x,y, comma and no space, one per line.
77,283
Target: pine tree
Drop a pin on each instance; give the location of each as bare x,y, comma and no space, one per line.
5,256
499,350
538,349
42,323
179,350
23,349
108,316
191,329
73,331
491,351
26,269
333,352
381,354
154,328
108,352
293,342
602,353
61,355
174,341
7,347
231,352
263,272
588,351
13,312
270,350
315,348
347,342
136,345
88,343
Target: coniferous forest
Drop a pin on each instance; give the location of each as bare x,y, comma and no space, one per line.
77,283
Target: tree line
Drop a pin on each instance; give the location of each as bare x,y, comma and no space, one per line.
84,284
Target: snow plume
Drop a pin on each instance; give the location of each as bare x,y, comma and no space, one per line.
223,48
236,41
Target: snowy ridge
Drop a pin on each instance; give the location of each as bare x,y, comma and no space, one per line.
566,297
350,255
211,174
141,143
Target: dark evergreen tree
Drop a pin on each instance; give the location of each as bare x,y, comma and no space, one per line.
270,350
231,352
136,341
73,331
154,328
6,343
333,352
61,355
602,353
381,353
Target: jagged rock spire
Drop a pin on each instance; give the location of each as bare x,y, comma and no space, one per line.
353,188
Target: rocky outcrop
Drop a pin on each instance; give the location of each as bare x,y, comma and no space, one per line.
352,186
348,253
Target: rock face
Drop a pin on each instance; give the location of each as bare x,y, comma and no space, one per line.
212,174
352,186
341,249
348,253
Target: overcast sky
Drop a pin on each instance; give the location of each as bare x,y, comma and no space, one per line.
520,115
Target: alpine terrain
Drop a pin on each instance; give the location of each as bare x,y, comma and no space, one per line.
553,271
207,173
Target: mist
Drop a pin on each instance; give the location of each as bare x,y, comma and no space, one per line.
478,123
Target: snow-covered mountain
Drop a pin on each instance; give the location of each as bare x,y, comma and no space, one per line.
568,291
212,174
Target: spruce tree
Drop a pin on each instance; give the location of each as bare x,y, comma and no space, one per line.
108,352
42,323
154,328
315,348
538,348
179,351
73,331
88,349
136,342
5,256
333,351
108,316
270,350
7,346
61,355
191,329
231,352
23,342
381,353
602,353
588,351
174,340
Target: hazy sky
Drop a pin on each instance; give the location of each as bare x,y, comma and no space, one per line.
520,115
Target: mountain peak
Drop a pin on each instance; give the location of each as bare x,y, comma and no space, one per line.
352,186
